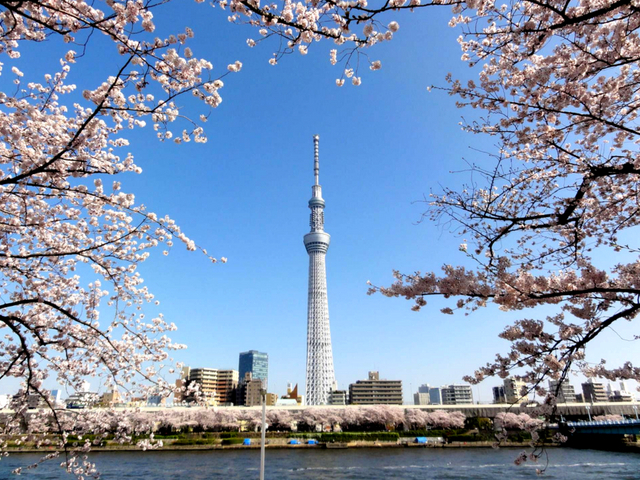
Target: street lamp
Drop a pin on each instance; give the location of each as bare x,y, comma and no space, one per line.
263,399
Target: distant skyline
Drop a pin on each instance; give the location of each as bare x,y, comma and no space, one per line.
385,145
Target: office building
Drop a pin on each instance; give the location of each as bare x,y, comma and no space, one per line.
56,397
565,394
217,387
498,395
252,390
375,391
455,394
435,396
621,395
424,388
514,391
594,392
256,363
338,397
427,395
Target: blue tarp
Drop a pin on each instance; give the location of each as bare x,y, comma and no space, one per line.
312,442
294,442
421,439
246,441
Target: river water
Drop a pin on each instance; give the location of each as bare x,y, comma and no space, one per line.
361,464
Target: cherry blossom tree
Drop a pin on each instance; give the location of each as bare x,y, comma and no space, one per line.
71,240
558,92
418,418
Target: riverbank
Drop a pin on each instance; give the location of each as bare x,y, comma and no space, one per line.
274,446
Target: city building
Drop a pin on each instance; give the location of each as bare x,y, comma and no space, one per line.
513,391
594,392
257,363
375,391
455,394
565,394
292,397
435,396
252,389
427,395
272,399
499,395
56,397
320,374
338,397
621,395
217,387
80,399
111,398
424,388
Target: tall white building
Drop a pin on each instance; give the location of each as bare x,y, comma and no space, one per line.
513,390
456,394
320,375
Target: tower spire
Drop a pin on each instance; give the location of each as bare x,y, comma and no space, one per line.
316,162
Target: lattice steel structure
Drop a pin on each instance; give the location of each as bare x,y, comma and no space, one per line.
320,375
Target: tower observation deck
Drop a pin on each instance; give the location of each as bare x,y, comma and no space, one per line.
320,374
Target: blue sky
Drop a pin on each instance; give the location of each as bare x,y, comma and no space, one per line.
384,146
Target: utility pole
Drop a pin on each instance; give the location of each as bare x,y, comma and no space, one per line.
263,396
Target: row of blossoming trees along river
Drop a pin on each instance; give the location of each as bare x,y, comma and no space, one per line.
122,425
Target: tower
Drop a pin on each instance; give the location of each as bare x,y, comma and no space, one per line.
320,375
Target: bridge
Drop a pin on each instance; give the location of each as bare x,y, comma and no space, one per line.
606,427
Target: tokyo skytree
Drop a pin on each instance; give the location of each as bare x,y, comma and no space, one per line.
320,376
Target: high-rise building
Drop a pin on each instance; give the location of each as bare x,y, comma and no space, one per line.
498,395
424,388
456,394
594,392
375,391
621,395
513,390
435,396
565,394
427,395
252,389
56,396
217,386
338,397
320,374
257,363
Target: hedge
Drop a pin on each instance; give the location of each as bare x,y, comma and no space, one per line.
232,441
194,441
349,436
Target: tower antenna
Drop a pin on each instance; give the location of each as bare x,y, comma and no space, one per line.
316,160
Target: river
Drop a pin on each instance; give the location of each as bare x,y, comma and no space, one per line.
361,464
